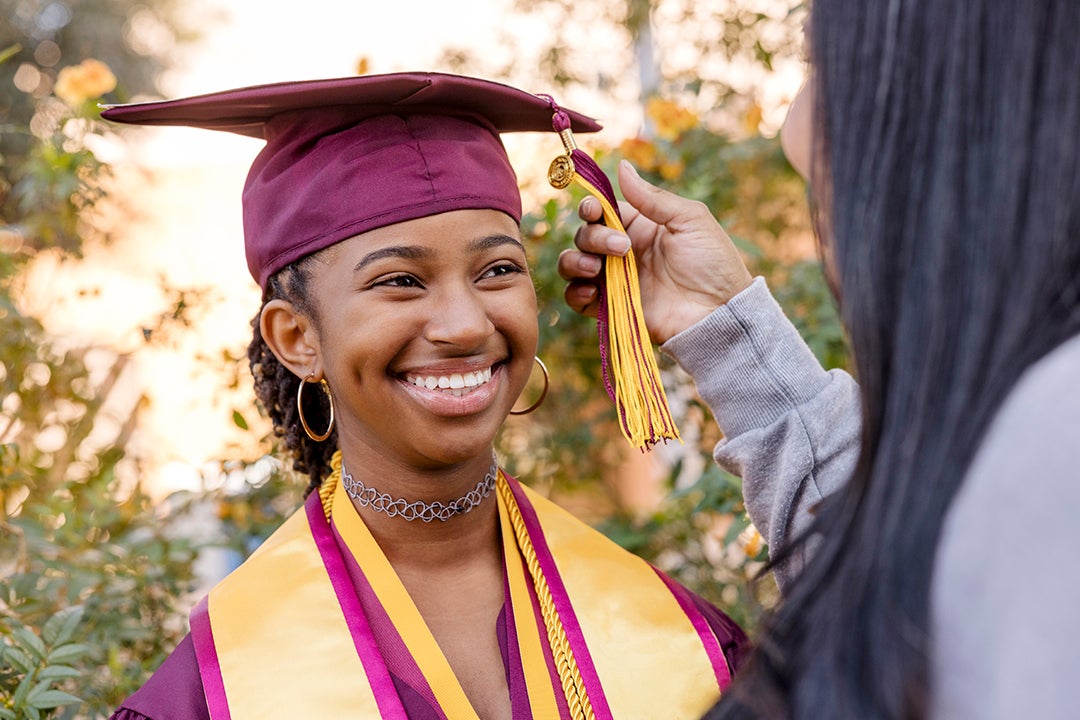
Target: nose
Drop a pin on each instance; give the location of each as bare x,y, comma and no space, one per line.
458,316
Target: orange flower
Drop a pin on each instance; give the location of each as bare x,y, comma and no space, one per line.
670,118
640,152
672,169
752,119
89,79
752,541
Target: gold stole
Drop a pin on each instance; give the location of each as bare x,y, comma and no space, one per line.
283,649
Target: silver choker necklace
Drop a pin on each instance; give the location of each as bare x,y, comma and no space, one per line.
381,502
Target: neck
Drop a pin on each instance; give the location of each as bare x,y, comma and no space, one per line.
415,545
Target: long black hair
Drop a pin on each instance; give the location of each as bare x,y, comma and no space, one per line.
276,386
948,182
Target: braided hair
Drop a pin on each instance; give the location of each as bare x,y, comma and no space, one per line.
276,386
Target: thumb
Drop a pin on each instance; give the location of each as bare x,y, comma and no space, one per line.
655,203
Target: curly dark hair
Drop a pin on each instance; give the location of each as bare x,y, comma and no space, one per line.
276,385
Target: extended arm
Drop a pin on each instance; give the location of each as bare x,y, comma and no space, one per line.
791,428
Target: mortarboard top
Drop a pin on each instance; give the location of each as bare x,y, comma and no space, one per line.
348,155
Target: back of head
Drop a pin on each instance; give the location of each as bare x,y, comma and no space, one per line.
948,190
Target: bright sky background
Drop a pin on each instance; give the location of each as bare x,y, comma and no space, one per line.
184,186
249,42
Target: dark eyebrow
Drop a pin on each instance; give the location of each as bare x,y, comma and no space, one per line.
412,252
405,252
494,241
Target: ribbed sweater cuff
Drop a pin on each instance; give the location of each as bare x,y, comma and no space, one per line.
748,360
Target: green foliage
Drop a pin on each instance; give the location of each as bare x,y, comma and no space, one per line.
90,578
73,533
38,665
38,39
53,190
711,55
68,540
79,545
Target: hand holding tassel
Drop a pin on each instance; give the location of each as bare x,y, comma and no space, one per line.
687,265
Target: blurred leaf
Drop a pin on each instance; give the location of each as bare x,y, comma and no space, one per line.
20,660
47,699
22,690
30,642
58,672
67,653
61,626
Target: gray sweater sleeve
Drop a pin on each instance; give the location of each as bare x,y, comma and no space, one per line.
791,429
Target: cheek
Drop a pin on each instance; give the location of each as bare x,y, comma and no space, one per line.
515,318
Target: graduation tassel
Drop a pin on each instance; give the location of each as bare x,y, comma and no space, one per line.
631,376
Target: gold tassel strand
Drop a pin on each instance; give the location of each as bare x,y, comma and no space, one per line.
644,415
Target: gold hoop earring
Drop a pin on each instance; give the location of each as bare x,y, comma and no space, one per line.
543,393
300,409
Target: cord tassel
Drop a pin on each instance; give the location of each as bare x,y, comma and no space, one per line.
631,376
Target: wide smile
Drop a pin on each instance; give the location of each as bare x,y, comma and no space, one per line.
457,392
456,384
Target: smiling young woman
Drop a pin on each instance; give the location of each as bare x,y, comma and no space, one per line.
398,328
404,305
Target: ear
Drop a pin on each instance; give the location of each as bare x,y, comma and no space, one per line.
292,337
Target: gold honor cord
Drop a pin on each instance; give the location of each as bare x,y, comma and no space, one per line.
577,699
330,483
640,400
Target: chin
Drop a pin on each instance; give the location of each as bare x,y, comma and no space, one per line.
456,445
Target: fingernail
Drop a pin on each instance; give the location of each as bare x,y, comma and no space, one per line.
629,167
590,264
617,244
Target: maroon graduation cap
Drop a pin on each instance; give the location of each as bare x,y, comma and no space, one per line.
348,155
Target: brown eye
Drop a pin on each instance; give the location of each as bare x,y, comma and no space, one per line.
398,281
502,269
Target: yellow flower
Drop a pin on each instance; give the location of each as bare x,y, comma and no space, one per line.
89,79
363,65
641,153
670,118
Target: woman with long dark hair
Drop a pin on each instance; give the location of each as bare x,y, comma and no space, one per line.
922,525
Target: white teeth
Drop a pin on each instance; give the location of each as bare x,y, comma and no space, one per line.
457,383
